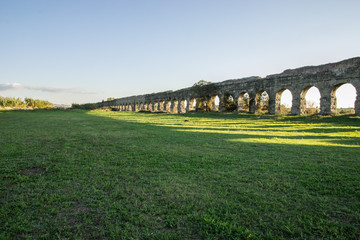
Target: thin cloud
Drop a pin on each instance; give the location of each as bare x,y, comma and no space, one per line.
11,86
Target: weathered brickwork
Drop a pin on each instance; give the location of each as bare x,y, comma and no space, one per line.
327,78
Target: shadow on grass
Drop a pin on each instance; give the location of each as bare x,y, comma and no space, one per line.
133,179
267,130
337,119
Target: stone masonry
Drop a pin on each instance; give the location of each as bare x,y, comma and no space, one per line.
327,78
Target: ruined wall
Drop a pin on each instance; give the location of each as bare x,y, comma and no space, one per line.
327,78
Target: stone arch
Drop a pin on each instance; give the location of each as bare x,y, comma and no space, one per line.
216,103
174,106
161,105
306,107
192,104
167,105
138,106
228,103
205,103
262,102
243,102
280,107
334,98
182,105
156,106
150,106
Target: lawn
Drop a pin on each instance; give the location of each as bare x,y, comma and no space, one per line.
123,175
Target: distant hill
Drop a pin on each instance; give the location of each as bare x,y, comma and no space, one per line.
61,105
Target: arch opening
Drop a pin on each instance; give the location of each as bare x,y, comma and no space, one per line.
174,106
310,100
205,103
283,101
215,106
136,108
343,98
167,106
262,102
243,102
192,104
183,106
150,106
156,106
161,105
228,103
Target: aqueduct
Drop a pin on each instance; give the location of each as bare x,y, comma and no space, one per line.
327,78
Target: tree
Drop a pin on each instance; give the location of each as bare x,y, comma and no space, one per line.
30,102
110,99
36,103
228,103
201,83
263,104
284,109
204,103
11,102
311,108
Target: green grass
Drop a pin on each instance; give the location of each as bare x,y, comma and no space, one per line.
120,175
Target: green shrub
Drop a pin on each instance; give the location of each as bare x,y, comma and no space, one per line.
36,103
229,104
12,102
284,109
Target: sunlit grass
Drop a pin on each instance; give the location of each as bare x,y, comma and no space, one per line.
291,132
311,142
123,175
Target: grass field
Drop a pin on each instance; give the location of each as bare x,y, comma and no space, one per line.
120,175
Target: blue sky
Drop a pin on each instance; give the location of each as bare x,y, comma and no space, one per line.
85,51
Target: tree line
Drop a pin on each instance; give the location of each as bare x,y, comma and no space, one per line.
13,102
